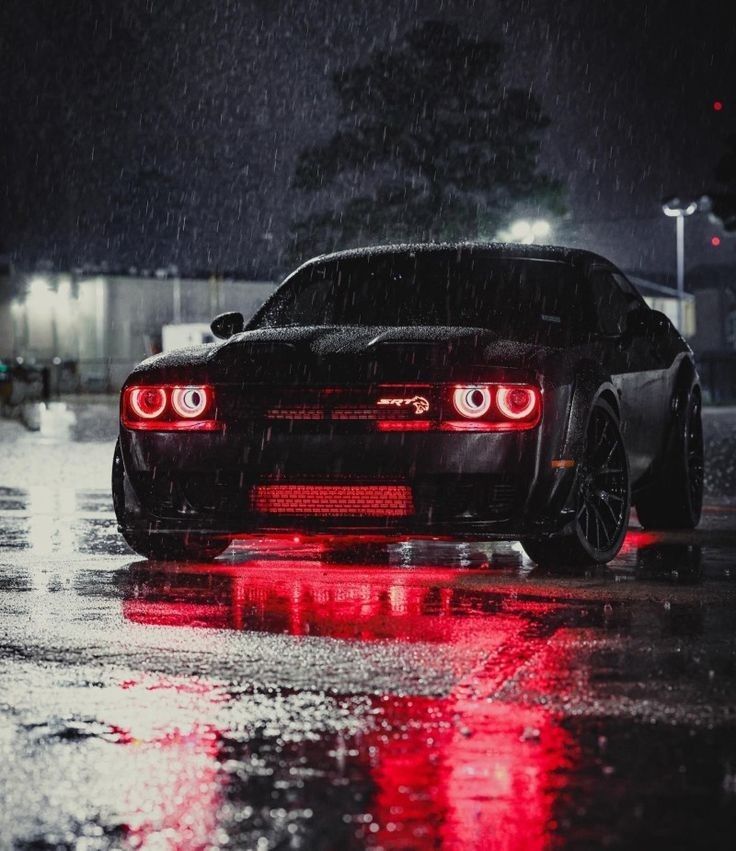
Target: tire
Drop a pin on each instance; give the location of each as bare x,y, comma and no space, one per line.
161,546
175,546
602,500
674,499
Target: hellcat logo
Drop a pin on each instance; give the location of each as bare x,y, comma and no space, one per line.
421,405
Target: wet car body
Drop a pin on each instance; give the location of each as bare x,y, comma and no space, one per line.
295,406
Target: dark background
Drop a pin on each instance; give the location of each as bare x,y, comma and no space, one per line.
144,134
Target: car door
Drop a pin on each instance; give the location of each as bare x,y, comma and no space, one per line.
636,371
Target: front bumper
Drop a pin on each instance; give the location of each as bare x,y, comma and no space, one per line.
485,484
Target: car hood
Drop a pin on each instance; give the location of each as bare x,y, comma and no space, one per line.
329,353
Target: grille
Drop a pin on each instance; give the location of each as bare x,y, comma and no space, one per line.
339,404
296,412
333,500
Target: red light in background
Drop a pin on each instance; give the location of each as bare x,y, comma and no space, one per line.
715,241
717,106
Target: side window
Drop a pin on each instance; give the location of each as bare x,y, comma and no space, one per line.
610,305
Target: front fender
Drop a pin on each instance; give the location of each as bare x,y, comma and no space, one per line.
551,500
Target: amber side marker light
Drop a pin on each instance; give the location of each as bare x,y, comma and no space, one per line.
563,463
169,407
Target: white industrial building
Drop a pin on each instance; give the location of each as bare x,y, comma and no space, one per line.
94,328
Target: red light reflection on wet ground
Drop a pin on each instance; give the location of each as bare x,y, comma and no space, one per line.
304,598
466,769
637,539
459,772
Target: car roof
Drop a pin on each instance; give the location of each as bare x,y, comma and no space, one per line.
509,250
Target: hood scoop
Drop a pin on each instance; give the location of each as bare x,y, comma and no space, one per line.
345,355
441,339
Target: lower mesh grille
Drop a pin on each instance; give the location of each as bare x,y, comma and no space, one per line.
333,500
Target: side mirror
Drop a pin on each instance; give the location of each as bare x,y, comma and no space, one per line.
227,324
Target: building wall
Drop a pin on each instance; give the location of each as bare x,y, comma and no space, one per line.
6,320
107,324
669,307
138,308
713,305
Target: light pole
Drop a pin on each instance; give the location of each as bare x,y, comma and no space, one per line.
679,210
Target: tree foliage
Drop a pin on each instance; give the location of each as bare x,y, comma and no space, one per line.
430,145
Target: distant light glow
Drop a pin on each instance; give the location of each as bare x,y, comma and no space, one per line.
520,230
39,294
527,232
541,228
717,105
675,208
715,241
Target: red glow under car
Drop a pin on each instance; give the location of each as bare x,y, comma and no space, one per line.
333,500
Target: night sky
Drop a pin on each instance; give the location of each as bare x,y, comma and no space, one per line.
146,134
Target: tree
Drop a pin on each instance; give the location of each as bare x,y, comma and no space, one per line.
430,145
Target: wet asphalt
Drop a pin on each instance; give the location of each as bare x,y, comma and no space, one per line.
294,695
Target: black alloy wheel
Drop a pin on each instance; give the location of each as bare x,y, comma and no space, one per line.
603,484
602,500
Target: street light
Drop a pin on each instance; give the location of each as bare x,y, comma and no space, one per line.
679,210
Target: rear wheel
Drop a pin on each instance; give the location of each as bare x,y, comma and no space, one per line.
674,499
602,500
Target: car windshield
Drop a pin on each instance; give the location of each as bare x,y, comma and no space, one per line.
521,299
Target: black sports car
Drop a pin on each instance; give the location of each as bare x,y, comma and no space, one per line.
484,391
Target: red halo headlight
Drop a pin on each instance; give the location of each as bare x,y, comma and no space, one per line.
147,402
516,403
166,407
190,402
472,401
